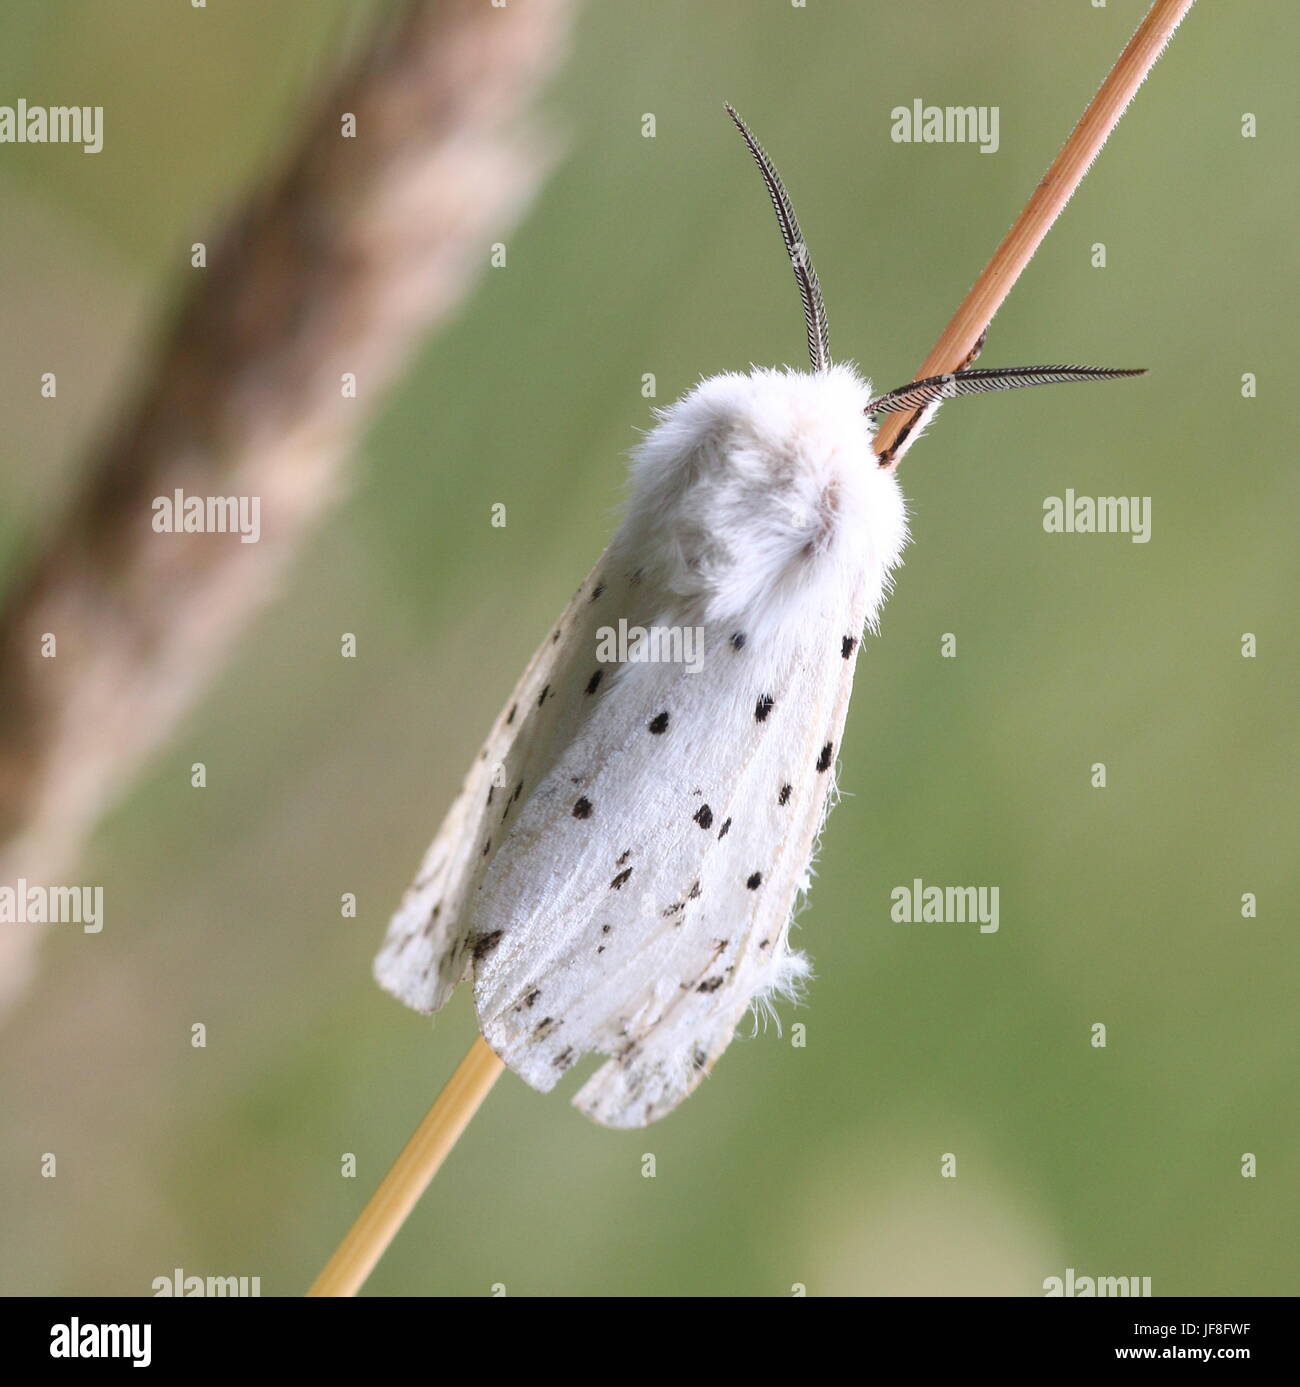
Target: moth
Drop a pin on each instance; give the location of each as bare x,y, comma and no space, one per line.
621,868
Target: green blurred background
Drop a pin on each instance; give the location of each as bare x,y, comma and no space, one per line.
817,1165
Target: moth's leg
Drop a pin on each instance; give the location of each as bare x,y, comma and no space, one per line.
973,355
887,458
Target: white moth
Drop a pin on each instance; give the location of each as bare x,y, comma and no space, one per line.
621,867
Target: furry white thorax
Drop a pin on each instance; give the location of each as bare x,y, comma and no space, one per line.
754,491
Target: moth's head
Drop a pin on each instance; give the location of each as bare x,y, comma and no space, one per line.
754,489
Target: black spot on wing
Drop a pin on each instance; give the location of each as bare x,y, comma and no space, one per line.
620,880
754,881
483,944
848,645
598,592
703,816
542,696
594,682
582,808
738,641
428,925
659,724
824,757
710,984
763,707
722,832
510,716
784,796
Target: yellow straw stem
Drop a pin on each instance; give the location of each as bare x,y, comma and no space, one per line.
390,1205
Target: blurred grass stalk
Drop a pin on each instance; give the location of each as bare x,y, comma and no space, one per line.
341,264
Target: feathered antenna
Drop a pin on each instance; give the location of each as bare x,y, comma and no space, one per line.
981,381
917,393
810,291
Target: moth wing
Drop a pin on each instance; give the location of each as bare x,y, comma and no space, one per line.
424,953
644,899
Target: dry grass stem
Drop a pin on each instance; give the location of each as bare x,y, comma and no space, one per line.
341,264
